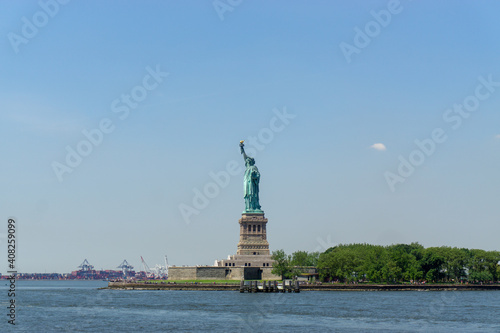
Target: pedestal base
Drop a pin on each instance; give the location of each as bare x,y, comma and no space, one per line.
247,261
253,235
253,248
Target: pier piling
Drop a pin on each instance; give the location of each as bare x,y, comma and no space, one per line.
268,287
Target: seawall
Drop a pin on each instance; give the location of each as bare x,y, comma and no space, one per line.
304,287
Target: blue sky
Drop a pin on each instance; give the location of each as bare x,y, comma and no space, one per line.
230,72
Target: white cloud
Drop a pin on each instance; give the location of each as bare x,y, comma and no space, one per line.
378,146
497,136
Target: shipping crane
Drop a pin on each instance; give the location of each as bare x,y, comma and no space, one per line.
126,268
85,266
166,267
158,272
147,270
161,272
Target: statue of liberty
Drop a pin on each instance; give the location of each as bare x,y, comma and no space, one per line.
251,183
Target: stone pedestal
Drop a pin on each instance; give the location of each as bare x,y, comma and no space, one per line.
253,235
253,249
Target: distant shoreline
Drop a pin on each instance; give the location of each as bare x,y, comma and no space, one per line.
308,287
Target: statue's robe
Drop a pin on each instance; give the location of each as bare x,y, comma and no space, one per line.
251,188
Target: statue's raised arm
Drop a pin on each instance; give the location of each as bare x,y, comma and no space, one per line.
242,150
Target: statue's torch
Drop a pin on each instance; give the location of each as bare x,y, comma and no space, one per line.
241,146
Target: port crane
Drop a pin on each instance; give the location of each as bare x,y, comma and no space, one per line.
166,267
146,268
126,268
85,266
158,272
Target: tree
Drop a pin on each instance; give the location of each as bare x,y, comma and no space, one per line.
391,272
395,263
432,263
299,258
482,265
339,264
406,265
281,265
312,259
304,258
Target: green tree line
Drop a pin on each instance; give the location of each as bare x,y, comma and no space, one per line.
393,264
288,266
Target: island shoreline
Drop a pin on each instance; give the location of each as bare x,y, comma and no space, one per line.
305,287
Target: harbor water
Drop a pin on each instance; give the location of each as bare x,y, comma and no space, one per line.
79,306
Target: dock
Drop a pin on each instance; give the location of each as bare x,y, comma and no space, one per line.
269,287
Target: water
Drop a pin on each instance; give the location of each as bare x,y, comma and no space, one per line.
78,306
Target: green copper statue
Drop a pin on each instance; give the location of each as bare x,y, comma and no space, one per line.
251,183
